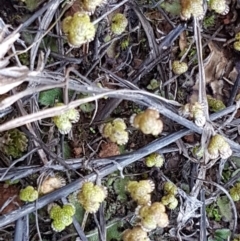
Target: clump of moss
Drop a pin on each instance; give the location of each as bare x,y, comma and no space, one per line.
179,67
13,143
79,29
236,44
90,6
62,217
169,199
152,216
115,131
194,111
191,8
219,6
154,159
135,234
148,122
214,104
219,147
28,194
119,23
91,196
64,121
235,192
141,191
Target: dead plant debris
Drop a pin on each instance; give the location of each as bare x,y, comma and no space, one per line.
106,94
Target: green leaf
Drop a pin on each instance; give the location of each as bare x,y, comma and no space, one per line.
172,6
31,4
222,234
87,107
225,209
119,187
48,97
67,150
236,160
79,214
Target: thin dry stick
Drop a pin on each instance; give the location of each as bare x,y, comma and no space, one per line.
202,80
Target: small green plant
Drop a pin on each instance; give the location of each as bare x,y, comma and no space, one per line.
219,6
152,216
198,151
64,121
209,22
124,43
172,7
235,192
236,44
219,147
154,159
214,104
28,194
91,196
89,6
119,186
119,23
213,212
191,8
79,29
194,111
154,84
115,131
169,199
13,143
141,191
62,217
179,67
136,233
148,122
221,235
49,97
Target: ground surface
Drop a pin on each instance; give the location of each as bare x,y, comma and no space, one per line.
116,75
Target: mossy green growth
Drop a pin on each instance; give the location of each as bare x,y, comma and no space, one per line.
236,44
141,191
170,187
119,23
209,22
235,192
62,217
169,199
13,143
124,43
179,67
91,196
214,104
89,6
64,121
198,151
115,131
219,6
79,29
154,159
28,194
219,147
